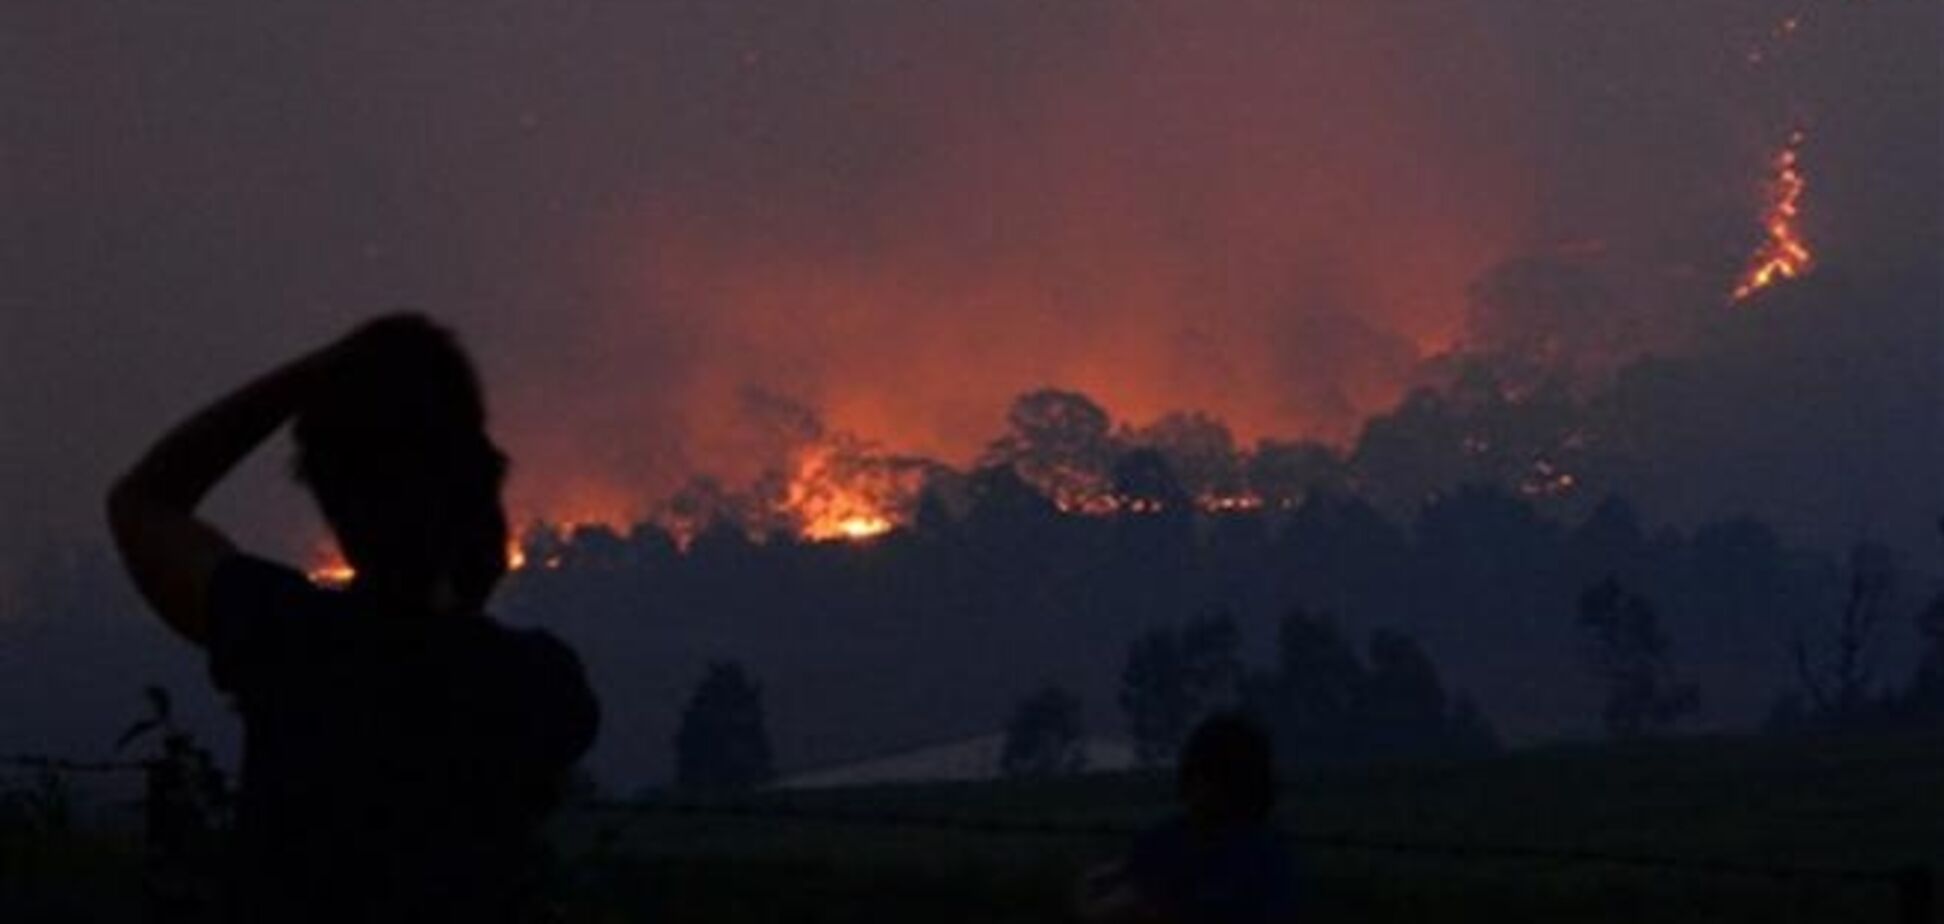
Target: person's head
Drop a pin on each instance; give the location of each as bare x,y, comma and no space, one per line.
1227,774
393,445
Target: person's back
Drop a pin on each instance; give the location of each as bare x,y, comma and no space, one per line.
400,748
394,765
1221,861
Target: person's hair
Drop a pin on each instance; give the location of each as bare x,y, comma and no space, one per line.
1233,754
393,445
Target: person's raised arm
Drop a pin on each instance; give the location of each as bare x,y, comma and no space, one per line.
170,553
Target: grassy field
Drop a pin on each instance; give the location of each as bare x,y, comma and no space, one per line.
1871,804
1875,804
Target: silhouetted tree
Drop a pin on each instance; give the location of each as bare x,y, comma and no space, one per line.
1925,698
933,517
1403,705
1199,450
722,742
1061,442
1629,652
1043,738
1324,703
1004,504
1413,452
596,545
1172,678
1146,484
1838,681
651,546
1311,701
1282,474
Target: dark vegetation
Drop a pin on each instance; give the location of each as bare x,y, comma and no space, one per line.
1629,653
1484,600
722,743
1320,701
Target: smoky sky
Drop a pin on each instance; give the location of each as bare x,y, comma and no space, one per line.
900,214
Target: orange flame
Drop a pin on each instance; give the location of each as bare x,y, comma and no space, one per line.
828,500
1784,253
331,570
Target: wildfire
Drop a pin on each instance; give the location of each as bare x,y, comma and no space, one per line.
1229,503
829,499
1784,253
861,526
332,571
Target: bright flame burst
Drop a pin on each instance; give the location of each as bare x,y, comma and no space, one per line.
1784,253
829,500
331,570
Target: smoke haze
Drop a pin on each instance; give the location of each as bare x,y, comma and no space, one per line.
900,215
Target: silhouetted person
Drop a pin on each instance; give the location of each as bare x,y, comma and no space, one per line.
400,748
1220,862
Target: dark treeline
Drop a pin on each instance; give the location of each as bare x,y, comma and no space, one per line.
941,628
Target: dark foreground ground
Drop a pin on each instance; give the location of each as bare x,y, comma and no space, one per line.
1011,852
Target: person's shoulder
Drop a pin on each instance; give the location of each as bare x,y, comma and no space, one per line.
539,654
251,593
263,617
555,688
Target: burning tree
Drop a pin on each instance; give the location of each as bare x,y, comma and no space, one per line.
1060,442
843,489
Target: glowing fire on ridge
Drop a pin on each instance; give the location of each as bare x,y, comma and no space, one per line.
826,505
1784,253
